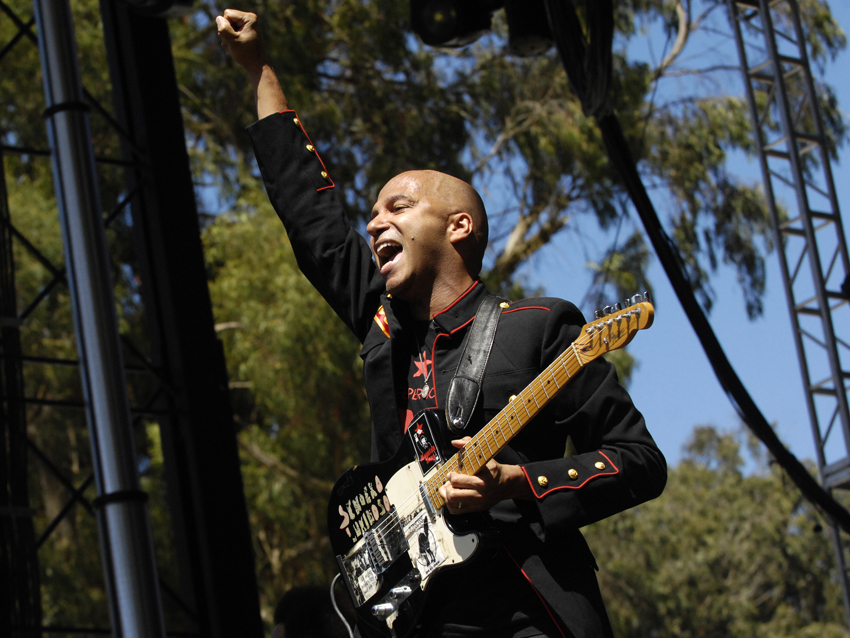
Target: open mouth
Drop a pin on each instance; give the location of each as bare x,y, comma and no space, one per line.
387,252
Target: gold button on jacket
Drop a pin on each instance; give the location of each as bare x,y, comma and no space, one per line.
573,474
600,465
542,481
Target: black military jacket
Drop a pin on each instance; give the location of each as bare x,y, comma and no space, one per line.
616,464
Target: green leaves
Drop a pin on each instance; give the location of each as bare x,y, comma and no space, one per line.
722,552
377,102
297,388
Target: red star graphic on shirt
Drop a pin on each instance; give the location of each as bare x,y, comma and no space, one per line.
422,366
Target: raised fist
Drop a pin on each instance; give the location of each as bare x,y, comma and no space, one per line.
239,36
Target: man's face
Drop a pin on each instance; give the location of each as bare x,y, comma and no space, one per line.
409,234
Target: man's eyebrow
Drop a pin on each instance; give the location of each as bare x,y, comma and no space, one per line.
392,199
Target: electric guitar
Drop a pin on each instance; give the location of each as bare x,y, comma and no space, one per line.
386,521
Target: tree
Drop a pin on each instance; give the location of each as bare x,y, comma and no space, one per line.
512,126
722,552
298,391
376,102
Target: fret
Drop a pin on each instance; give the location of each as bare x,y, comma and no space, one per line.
533,398
523,406
578,358
514,418
551,371
489,449
509,433
459,459
497,434
543,385
485,435
561,361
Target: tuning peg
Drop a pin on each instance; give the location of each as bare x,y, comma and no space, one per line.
646,296
636,299
618,307
597,313
607,310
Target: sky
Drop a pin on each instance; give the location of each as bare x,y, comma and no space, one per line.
675,387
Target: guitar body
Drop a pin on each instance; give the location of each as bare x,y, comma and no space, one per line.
390,543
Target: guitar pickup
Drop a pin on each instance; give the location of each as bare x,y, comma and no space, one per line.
386,542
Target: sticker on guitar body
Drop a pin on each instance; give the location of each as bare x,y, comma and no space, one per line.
425,552
371,552
364,510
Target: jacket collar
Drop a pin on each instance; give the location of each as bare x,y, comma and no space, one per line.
462,309
448,320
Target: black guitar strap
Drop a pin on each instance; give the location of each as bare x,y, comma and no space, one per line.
466,384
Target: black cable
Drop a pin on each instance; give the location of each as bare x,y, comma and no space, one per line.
588,84
620,157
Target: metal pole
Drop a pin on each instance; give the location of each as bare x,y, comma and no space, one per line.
124,525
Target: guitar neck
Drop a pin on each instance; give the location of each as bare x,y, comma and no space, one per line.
596,339
490,440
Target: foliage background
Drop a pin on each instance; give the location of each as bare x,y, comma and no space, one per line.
729,550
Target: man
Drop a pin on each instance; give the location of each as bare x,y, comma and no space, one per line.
410,297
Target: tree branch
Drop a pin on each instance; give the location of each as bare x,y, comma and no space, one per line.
519,247
271,462
681,38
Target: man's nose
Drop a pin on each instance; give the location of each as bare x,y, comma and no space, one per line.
376,225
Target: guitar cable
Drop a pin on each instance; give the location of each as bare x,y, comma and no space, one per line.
336,608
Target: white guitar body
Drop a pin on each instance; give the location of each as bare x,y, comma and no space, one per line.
405,543
435,536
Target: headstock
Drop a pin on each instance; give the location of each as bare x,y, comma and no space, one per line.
615,326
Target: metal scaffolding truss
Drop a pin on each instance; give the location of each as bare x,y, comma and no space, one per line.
174,365
45,306
794,151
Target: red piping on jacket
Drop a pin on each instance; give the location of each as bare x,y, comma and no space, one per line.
452,304
318,157
537,593
572,487
461,326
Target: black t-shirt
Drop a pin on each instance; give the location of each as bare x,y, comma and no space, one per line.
488,595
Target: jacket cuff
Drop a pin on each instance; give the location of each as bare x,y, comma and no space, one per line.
571,473
306,154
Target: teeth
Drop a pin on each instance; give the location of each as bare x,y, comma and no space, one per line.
388,249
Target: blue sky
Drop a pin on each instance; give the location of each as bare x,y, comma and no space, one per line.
675,387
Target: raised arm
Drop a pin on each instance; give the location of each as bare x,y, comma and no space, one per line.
241,39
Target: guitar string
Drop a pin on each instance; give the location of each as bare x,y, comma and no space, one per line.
533,390
566,360
384,528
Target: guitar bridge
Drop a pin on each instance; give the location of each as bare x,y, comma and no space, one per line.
423,494
386,542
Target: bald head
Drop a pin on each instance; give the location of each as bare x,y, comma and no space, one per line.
451,196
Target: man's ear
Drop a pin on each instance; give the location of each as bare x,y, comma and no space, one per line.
460,226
